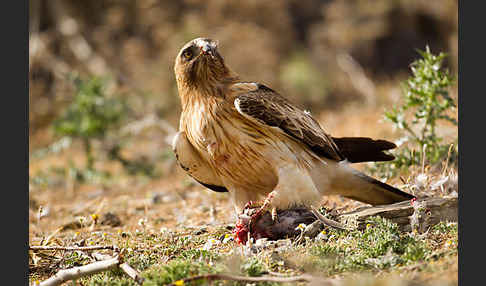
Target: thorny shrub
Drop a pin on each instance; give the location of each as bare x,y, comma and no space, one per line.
426,100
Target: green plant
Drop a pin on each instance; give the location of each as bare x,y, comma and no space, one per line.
426,100
380,245
444,227
176,270
91,114
253,267
199,254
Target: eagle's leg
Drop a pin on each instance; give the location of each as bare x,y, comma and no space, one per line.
264,207
274,214
295,187
260,204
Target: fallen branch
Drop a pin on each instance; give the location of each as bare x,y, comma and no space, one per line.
431,211
105,262
211,277
76,272
327,221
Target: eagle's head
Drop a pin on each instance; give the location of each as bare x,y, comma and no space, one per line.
199,64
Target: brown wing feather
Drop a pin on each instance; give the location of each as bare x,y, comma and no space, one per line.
269,107
363,149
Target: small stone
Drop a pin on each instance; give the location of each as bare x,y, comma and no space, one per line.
157,198
160,220
313,229
110,219
199,231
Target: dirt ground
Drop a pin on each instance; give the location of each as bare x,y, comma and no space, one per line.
63,211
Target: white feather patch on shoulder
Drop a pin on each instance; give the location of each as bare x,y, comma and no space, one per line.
237,106
244,87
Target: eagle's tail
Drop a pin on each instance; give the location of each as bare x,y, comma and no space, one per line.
340,179
374,192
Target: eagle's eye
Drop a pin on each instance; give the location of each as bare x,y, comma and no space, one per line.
187,54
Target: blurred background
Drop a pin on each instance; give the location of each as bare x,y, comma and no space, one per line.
344,60
324,55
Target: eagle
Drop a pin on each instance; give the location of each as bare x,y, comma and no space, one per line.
246,139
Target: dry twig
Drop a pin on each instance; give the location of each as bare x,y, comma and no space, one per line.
123,266
76,272
327,221
132,273
104,263
72,248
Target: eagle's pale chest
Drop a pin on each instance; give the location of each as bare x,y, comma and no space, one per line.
221,135
202,124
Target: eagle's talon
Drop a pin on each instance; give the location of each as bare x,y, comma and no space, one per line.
253,205
274,215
